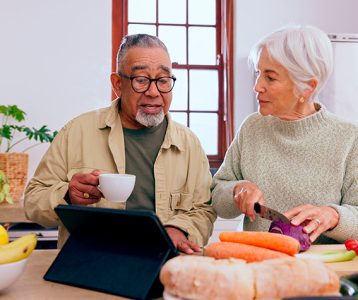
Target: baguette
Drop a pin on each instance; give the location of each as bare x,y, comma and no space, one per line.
198,277
293,277
201,277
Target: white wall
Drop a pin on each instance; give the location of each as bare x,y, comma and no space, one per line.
55,56
256,18
55,60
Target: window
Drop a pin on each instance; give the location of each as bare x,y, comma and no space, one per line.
197,39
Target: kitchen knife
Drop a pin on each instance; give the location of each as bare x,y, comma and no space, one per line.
269,213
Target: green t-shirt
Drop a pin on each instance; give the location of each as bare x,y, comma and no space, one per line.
142,147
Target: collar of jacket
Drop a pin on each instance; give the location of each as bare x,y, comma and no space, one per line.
109,116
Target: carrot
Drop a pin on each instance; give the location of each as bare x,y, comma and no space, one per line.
269,240
237,250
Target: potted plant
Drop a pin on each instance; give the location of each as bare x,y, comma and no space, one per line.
15,164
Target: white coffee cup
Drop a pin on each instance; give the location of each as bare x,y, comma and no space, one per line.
116,187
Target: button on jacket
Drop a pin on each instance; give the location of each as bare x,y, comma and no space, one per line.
94,140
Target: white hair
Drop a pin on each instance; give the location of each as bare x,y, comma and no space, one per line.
149,120
139,40
304,51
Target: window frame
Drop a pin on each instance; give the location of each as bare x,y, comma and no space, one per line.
224,45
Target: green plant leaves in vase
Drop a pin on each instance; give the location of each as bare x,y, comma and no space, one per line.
11,114
13,133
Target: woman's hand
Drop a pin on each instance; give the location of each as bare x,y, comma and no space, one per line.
82,188
180,241
316,219
246,194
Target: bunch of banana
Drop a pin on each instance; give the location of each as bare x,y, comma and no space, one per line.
17,249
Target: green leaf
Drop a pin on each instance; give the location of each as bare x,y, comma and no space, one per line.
43,134
16,113
18,128
9,199
3,110
13,111
6,188
6,132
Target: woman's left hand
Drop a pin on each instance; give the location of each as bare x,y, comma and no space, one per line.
315,219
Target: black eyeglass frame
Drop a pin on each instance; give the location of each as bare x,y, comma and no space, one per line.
150,82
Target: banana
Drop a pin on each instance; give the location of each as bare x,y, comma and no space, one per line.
18,249
4,237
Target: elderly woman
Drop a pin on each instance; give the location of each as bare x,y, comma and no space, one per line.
293,155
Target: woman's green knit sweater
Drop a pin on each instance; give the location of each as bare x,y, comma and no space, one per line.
312,160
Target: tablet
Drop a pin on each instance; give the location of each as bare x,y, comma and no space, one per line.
113,251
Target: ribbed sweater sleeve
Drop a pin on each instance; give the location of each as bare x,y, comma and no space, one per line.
312,160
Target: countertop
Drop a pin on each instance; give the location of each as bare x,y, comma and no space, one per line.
341,268
31,284
13,213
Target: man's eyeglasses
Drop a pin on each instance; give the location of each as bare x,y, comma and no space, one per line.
141,84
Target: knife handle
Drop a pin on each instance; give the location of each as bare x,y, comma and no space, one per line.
257,207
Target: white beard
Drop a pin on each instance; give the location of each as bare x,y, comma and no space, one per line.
149,120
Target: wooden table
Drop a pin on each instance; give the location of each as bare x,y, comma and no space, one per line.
341,268
13,213
31,284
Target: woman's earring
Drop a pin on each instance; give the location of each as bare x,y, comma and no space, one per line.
302,100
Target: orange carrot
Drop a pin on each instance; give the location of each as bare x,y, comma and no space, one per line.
237,250
269,240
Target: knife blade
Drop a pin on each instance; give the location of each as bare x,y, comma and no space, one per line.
270,214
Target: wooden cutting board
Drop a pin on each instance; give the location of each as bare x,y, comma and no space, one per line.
341,268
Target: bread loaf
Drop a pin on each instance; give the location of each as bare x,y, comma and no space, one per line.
201,277
292,277
198,277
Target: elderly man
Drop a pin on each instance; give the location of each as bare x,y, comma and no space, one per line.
134,135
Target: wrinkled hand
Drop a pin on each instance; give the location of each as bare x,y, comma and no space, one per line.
180,241
246,194
83,188
315,219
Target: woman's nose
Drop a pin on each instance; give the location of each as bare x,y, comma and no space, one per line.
258,87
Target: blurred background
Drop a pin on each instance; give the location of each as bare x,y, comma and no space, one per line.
56,57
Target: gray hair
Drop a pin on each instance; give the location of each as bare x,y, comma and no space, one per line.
138,40
305,51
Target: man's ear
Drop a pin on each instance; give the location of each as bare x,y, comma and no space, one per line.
116,84
313,84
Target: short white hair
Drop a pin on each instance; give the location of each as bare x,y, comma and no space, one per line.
304,51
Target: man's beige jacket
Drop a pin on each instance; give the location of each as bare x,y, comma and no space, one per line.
94,140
